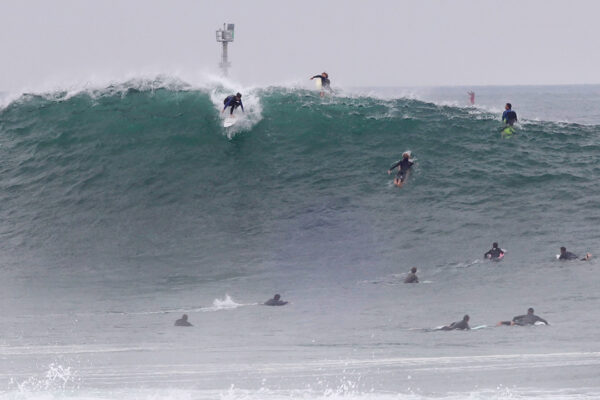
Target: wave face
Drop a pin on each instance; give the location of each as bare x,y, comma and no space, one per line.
152,172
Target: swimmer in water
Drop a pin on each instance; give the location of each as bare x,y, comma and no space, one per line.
459,325
528,319
275,301
495,253
403,167
183,321
567,255
412,276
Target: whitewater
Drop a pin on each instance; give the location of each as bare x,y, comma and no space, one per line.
126,205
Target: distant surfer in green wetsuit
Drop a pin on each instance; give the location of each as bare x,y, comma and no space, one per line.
325,82
509,117
403,166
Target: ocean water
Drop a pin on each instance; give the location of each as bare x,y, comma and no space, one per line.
124,206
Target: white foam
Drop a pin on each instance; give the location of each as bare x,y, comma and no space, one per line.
227,303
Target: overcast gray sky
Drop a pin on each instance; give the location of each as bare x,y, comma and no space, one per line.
360,43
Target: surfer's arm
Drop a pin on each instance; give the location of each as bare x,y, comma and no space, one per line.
517,320
316,76
241,105
227,104
542,320
394,166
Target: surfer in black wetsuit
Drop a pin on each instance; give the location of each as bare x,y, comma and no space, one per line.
494,253
403,167
183,321
509,117
325,82
459,325
275,301
412,276
528,319
567,255
233,102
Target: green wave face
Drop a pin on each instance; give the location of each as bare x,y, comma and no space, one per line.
154,173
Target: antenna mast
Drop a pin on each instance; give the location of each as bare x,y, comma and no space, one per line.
225,36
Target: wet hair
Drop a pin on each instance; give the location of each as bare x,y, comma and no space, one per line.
238,94
325,74
277,297
495,244
413,270
466,317
406,155
184,316
509,105
563,249
530,310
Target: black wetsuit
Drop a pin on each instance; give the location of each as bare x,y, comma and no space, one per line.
405,165
233,102
273,302
460,325
567,255
496,252
182,322
509,117
411,278
527,319
324,81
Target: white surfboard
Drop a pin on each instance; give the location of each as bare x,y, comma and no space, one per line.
318,83
229,121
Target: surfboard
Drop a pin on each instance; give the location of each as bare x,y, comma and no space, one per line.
318,83
229,121
508,132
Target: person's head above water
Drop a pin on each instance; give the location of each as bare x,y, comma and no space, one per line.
184,317
325,74
238,95
508,106
530,310
563,250
466,318
406,155
277,297
495,245
413,270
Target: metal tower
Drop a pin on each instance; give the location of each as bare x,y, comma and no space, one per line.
225,36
